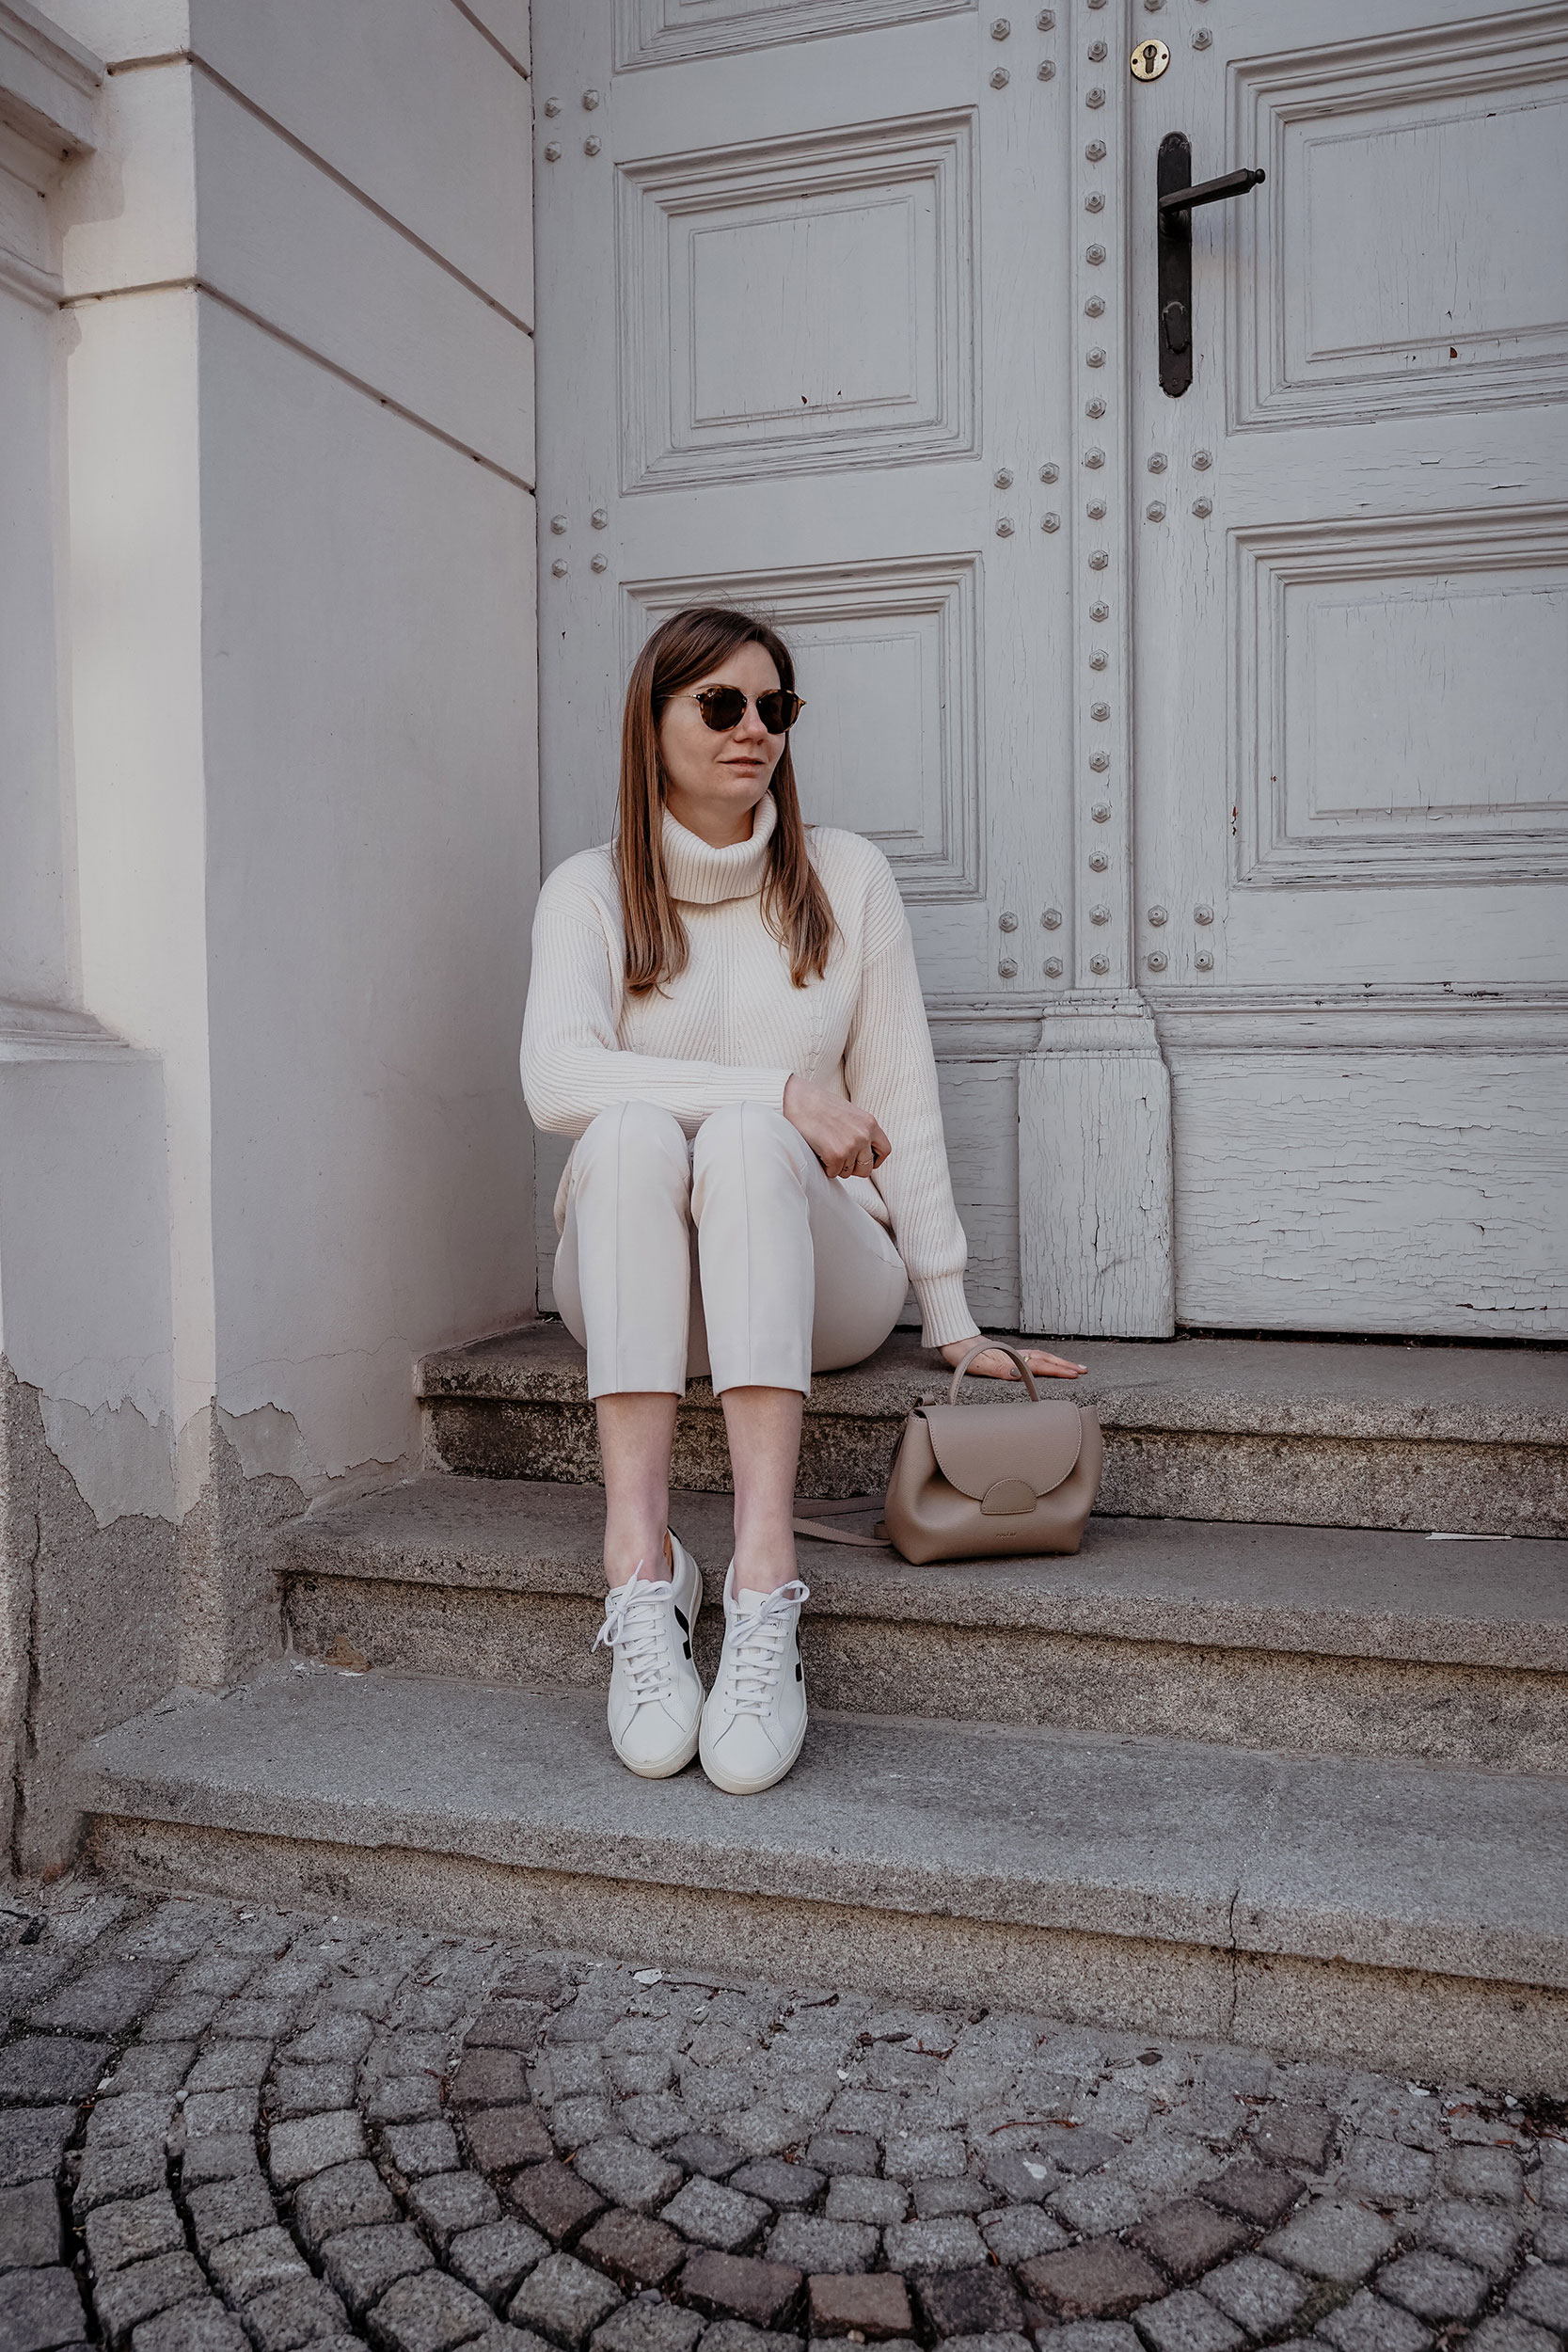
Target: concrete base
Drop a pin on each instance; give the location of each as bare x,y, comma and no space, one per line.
1414,1918
1305,1432
1352,1643
90,1632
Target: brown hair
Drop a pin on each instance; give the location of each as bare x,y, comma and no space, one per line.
794,905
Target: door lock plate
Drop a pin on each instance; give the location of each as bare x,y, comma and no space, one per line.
1149,60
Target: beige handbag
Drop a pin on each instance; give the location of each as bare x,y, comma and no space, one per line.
981,1482
988,1482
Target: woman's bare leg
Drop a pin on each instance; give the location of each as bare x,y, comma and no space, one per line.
763,1426
636,1432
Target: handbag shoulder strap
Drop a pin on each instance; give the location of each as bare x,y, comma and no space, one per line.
979,1348
823,1534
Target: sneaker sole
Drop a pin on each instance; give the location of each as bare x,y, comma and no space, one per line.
672,1765
754,1788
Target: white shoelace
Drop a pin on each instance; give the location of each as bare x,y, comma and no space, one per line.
759,1649
635,1622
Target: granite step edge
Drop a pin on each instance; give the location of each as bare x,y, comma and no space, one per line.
541,1366
542,1540
1393,1867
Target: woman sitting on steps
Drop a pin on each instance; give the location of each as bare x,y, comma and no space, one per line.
725,1012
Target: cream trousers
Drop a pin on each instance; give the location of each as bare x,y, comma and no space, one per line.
731,1255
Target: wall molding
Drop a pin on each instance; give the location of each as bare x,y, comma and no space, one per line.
663,32
48,85
1448,1021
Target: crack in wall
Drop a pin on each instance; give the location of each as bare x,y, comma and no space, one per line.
25,1747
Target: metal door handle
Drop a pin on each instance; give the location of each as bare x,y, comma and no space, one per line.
1178,195
1211,191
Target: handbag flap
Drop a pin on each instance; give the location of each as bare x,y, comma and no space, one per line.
978,1445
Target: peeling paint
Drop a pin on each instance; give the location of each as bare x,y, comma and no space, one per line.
120,1462
268,1442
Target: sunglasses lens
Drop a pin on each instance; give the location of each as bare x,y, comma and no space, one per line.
779,711
723,707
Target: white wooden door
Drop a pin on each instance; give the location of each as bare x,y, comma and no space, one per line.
1350,663
802,277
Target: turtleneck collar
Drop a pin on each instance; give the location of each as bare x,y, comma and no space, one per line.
699,876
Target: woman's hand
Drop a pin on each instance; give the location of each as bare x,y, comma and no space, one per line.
847,1141
994,1365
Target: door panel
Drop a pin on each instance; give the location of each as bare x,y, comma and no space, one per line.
1351,638
801,348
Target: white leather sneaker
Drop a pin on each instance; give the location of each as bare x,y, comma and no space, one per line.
656,1696
754,1720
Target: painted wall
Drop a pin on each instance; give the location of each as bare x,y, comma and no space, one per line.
286,869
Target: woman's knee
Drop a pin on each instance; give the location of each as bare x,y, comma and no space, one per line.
635,1126
739,1130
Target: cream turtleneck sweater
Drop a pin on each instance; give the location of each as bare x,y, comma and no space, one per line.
734,1028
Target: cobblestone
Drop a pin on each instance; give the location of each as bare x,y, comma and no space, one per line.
191,2327
969,2302
1506,2332
874,2308
560,2203
1256,2293
427,2313
346,2196
1187,2321
220,2210
812,2242
297,2150
1488,2172
711,2213
494,2260
30,2237
851,2198
40,2307
790,2186
500,2138
740,2287
117,2234
538,2152
1433,2287
650,2328
628,2174
953,2243
565,2301
1542,2295
1190,2237
244,2267
1480,2234
1368,2324
1100,2280
447,2203
1333,2240
420,2149
362,2264
122,2298
637,2252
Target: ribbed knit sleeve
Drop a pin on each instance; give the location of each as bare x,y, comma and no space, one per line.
891,1071
573,1064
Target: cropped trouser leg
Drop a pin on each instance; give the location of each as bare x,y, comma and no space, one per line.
788,1273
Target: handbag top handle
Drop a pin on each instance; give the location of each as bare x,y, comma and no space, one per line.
979,1349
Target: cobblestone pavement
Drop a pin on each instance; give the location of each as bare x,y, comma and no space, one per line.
223,2128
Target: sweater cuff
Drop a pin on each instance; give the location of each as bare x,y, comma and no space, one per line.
944,1309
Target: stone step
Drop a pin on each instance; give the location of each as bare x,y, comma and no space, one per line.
1345,1642
1412,1916
1300,1432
